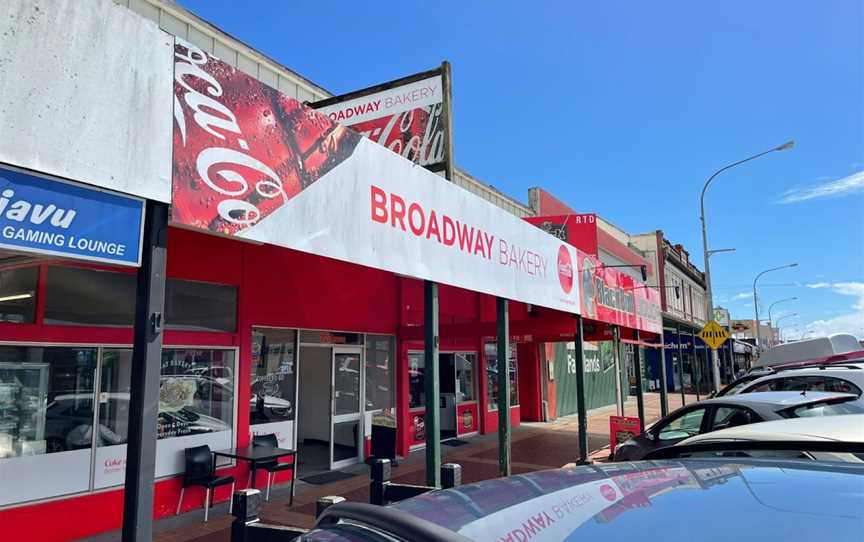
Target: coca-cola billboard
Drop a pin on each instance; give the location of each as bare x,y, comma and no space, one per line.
254,164
408,116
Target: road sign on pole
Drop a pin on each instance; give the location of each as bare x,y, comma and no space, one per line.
713,335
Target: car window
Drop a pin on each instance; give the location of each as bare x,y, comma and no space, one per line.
832,408
840,385
771,385
737,387
684,426
728,416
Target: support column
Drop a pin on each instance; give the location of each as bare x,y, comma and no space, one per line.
640,400
680,364
144,377
503,387
431,384
664,394
581,407
694,365
616,352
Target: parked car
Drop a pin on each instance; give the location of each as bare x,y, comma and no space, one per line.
723,412
682,500
738,384
848,428
845,378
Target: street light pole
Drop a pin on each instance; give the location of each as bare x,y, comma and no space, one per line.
709,305
770,320
756,300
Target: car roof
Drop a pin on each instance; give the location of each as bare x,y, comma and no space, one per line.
847,371
619,501
845,428
817,347
779,398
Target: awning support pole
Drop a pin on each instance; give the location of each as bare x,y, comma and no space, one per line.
503,349
664,393
640,400
581,407
694,364
432,389
144,377
680,364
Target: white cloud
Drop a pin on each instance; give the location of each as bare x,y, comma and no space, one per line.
840,187
849,322
819,285
742,295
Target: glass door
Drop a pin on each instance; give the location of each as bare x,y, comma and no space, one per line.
346,431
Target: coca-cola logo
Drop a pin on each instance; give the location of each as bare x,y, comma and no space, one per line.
608,492
565,269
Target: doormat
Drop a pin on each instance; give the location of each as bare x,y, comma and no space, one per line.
328,477
455,442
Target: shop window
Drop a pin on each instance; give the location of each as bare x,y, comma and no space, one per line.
380,393
312,336
416,387
274,375
18,295
466,365
200,306
79,296
491,352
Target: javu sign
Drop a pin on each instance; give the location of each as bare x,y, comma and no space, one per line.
408,116
254,164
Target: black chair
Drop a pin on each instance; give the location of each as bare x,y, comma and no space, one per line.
274,466
201,471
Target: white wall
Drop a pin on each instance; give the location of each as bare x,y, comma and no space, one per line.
86,93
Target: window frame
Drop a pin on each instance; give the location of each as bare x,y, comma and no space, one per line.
754,416
656,428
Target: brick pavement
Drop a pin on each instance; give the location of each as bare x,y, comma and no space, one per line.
535,446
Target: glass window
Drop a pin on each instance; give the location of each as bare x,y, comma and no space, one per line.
192,400
491,352
840,385
686,425
18,294
465,371
274,375
115,384
46,399
346,383
776,384
200,306
379,372
825,409
416,390
80,296
725,417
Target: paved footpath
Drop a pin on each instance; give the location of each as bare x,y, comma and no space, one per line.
535,446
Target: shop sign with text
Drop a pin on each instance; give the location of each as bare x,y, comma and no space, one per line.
406,116
47,216
254,164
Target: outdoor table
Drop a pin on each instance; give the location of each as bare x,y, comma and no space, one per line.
256,455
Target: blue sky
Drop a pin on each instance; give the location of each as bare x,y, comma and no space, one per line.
625,108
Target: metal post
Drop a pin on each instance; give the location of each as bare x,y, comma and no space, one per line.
447,90
431,386
664,393
581,407
503,349
680,364
144,378
616,353
694,364
640,400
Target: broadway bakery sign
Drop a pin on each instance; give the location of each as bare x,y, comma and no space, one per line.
254,164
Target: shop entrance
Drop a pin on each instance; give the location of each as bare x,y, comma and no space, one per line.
329,430
457,385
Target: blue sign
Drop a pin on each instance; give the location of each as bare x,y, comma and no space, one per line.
63,219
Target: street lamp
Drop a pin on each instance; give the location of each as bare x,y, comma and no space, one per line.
709,306
785,316
776,302
756,299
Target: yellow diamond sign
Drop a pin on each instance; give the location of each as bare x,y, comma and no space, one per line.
713,335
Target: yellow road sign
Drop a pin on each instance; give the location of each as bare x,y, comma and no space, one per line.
713,335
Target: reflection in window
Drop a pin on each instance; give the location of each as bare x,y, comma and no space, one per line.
490,351
46,399
114,397
465,371
18,294
89,297
274,374
379,372
416,389
200,306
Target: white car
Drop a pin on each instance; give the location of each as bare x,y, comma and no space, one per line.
846,378
845,428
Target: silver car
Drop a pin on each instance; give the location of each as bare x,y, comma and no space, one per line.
731,411
846,378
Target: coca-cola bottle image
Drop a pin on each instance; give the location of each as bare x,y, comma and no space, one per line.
242,149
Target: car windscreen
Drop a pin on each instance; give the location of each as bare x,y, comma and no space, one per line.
825,408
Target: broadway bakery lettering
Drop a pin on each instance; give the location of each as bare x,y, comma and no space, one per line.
47,225
411,217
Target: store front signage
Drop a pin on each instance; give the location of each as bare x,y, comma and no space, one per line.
406,116
252,163
45,216
610,296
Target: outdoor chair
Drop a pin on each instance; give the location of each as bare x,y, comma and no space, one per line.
201,471
274,466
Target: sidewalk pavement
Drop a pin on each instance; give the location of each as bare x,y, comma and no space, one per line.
535,446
